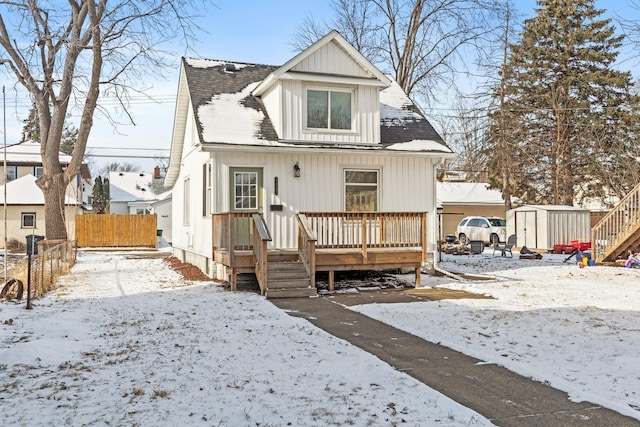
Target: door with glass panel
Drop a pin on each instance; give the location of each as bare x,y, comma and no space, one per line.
246,196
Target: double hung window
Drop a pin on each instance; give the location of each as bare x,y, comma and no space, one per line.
361,190
329,109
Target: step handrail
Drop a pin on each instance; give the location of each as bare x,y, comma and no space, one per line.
261,236
307,239
616,226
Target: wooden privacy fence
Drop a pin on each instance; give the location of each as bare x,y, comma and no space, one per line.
116,230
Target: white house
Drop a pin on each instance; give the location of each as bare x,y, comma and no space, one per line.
25,210
326,132
24,158
133,192
25,201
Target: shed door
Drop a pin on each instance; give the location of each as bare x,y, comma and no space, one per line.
526,229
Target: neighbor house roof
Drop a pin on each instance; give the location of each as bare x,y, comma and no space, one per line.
467,193
25,191
131,187
28,153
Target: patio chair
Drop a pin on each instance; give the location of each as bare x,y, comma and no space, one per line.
505,248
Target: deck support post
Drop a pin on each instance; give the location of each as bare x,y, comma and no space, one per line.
418,274
233,279
331,281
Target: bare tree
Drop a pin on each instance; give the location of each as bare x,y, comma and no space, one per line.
69,54
423,41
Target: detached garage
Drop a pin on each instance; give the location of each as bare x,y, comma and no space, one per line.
543,226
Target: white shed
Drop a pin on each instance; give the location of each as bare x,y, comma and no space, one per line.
542,226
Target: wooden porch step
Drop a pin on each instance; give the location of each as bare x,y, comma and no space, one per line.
288,279
291,293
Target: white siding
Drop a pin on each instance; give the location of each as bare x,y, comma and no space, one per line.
406,184
193,239
331,59
366,115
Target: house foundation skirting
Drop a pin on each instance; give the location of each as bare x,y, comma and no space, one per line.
204,263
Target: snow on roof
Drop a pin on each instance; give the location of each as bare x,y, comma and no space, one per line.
29,152
25,191
210,63
394,106
226,119
551,208
417,145
467,193
130,186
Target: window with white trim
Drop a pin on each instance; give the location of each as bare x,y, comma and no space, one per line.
28,220
361,188
207,189
329,109
186,202
38,171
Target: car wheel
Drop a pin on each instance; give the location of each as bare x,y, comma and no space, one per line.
463,239
494,239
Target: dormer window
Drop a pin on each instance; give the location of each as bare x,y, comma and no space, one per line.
329,109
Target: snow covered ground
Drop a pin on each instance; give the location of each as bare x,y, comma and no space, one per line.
127,341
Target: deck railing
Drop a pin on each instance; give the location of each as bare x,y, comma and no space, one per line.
365,230
232,229
307,246
260,238
617,226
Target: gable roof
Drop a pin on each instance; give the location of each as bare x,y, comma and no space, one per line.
130,187
29,152
227,110
369,73
467,193
25,191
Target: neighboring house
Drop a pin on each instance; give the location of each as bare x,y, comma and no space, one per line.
133,192
25,210
162,208
460,199
326,134
24,159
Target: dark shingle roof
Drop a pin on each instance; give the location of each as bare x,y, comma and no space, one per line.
209,80
220,77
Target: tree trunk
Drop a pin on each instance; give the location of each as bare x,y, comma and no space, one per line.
54,188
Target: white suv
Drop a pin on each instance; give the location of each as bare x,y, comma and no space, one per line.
489,229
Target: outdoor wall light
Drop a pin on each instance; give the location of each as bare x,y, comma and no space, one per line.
296,170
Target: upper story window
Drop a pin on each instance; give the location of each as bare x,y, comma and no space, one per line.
12,173
329,109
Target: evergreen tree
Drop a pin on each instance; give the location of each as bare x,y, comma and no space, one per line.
31,132
31,128
100,195
568,114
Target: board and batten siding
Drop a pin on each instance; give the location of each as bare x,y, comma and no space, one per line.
406,184
366,115
331,59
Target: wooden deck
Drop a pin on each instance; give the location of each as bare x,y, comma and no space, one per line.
328,242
